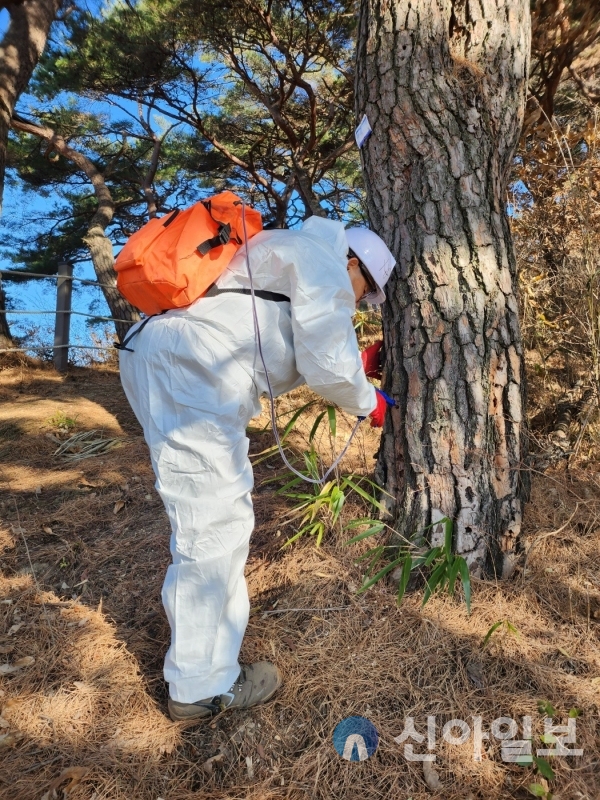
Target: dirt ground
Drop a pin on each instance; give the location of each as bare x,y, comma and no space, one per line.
83,551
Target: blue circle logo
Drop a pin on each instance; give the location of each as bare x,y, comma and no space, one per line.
355,738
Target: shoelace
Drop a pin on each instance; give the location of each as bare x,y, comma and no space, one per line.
217,703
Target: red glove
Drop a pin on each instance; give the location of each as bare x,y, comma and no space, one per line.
378,413
371,359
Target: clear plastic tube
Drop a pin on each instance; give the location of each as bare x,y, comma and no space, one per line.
319,481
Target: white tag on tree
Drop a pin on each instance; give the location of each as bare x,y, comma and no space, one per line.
363,131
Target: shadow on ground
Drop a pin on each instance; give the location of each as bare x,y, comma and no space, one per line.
83,550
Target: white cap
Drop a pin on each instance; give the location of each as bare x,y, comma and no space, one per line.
376,257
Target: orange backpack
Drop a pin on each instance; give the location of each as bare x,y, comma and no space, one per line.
172,261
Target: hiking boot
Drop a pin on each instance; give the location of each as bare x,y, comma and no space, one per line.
255,684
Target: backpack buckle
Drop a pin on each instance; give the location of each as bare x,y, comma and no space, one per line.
222,237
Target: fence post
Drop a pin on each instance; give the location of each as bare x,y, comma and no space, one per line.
64,289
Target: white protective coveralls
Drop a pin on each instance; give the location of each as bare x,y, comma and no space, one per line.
194,381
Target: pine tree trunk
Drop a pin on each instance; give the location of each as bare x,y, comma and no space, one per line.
443,84
101,251
6,339
20,50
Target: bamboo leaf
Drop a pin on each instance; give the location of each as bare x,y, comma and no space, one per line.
337,503
295,512
268,451
364,494
320,534
373,563
452,575
311,528
536,789
430,556
466,580
327,488
310,461
293,420
332,420
369,553
319,503
292,539
285,487
448,536
377,488
388,568
297,495
372,531
404,578
356,523
435,579
491,631
315,427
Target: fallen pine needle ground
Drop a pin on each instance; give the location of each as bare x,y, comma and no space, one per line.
83,551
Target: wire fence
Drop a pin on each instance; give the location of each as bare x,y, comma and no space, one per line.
62,313
41,348
77,313
56,277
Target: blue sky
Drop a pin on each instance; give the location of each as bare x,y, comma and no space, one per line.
40,294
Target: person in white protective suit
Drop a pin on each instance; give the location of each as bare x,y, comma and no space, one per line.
194,380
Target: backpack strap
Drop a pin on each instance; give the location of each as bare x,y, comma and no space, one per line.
264,294
222,237
123,345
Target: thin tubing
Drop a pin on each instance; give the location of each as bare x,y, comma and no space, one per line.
319,481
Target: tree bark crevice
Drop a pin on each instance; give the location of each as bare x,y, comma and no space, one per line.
445,96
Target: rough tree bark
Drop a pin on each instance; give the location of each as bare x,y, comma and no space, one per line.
20,50
6,339
443,83
98,243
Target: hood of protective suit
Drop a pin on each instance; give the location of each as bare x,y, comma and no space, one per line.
332,231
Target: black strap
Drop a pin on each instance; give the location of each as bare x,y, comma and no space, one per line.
222,237
123,345
264,294
170,219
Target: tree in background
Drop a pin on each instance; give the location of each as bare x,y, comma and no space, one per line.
267,85
67,153
261,95
20,50
556,223
102,211
562,30
444,89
